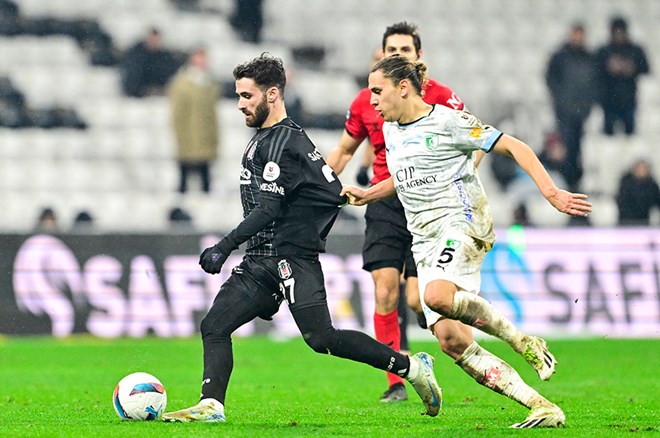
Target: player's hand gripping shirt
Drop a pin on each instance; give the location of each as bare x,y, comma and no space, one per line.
290,195
364,121
432,165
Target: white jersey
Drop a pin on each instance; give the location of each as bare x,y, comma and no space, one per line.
431,162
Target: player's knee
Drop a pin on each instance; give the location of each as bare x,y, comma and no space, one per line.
387,289
209,327
205,326
453,346
321,342
387,298
439,302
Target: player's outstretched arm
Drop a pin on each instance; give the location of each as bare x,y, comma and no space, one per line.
343,152
574,204
359,196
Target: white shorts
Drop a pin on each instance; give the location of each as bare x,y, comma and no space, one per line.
456,258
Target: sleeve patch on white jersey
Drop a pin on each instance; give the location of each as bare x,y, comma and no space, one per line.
467,120
271,171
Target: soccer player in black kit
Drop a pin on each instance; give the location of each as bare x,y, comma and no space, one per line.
291,199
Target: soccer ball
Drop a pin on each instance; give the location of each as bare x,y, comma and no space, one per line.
139,396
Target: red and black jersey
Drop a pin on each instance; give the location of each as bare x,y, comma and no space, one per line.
364,121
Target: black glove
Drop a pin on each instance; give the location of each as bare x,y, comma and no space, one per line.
213,258
362,176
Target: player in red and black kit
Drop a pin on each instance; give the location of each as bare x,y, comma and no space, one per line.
291,199
386,252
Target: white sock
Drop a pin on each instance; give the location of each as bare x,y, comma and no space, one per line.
211,402
493,373
475,311
413,372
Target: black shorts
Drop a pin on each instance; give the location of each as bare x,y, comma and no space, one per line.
270,280
387,241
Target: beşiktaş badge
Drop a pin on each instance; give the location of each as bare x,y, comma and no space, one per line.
284,269
271,171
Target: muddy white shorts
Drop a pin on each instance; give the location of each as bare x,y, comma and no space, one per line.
457,258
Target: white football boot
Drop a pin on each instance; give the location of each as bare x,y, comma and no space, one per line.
208,410
536,353
543,416
425,383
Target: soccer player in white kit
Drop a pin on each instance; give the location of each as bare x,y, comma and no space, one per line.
430,155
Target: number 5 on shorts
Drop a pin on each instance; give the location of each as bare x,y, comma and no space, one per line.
446,256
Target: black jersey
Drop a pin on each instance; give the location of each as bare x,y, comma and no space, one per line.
290,196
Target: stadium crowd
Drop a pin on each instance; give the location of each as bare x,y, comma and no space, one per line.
588,83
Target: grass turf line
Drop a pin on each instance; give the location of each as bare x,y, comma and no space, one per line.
64,388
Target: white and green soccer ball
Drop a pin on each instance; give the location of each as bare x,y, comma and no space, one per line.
139,396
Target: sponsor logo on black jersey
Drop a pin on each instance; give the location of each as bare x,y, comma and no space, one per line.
315,155
272,187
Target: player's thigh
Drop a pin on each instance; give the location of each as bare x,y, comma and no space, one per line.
302,283
241,299
312,321
453,264
255,278
456,258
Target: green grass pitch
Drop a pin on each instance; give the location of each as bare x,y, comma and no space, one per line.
63,388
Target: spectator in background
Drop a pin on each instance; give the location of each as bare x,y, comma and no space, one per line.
620,63
193,96
47,221
83,222
248,19
147,67
521,216
180,218
520,187
638,194
554,158
571,78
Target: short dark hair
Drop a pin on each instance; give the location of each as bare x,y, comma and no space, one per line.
47,213
266,70
618,23
404,28
578,26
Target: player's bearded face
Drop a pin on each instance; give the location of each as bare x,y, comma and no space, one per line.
252,102
260,114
